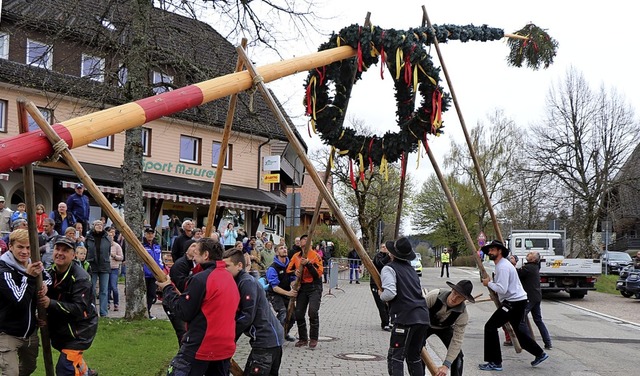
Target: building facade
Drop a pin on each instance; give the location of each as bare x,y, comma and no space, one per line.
67,57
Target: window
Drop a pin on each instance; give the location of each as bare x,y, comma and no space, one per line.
161,78
46,113
4,46
146,142
92,67
103,143
217,146
3,115
39,54
189,149
123,74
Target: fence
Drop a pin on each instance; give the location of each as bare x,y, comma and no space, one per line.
341,269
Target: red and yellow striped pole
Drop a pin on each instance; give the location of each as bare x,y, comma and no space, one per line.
33,146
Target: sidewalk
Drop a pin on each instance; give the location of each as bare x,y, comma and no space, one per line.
351,342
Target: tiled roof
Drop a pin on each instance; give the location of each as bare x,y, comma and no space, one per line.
309,193
203,54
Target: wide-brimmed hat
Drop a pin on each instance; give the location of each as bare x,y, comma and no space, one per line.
495,243
65,241
402,250
464,288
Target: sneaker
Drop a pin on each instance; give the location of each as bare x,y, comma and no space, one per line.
386,328
313,343
507,343
539,359
152,317
548,347
290,338
357,282
301,343
115,307
490,367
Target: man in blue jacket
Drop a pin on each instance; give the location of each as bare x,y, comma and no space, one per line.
153,248
256,320
280,291
78,205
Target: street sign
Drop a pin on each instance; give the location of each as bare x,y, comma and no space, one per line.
481,239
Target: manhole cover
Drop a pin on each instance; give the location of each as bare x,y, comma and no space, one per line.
360,357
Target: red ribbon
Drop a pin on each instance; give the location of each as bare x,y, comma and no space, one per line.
383,57
408,73
370,159
403,166
351,176
436,108
359,52
308,112
322,72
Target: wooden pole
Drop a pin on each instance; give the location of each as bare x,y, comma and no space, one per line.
93,189
467,237
30,200
226,134
366,260
403,176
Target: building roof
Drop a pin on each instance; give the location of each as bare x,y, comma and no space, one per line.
192,48
309,193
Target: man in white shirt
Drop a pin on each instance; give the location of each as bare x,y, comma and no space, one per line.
513,301
5,217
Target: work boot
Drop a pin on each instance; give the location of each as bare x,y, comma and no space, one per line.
301,343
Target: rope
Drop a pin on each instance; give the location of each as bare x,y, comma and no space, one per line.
58,148
257,79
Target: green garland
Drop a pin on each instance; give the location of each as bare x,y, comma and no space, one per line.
538,49
328,88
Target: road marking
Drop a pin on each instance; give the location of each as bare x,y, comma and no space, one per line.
631,324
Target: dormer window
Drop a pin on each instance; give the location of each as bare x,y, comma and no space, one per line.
92,67
39,54
160,78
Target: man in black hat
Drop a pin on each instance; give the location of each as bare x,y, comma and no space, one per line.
513,301
407,308
381,259
449,318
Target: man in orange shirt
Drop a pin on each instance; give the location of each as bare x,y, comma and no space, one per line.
309,294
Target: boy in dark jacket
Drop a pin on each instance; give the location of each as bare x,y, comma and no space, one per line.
19,338
256,320
71,311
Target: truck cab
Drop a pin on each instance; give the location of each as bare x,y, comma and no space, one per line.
545,243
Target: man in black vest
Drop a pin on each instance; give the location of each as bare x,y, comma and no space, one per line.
280,292
381,259
408,311
449,318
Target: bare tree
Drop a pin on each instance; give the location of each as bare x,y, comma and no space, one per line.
580,146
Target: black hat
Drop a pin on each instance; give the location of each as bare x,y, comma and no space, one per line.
149,229
65,241
497,244
402,250
390,245
464,288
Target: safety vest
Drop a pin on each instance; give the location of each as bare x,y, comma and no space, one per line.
444,257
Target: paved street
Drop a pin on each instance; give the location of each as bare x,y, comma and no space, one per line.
351,343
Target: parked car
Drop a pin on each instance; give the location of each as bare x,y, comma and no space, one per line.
629,282
614,262
417,264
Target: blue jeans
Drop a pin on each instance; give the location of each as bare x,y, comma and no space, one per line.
113,286
536,313
104,290
354,269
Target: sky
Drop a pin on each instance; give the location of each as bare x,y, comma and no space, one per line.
594,38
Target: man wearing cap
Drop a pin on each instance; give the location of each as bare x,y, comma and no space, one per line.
18,335
5,217
153,248
78,205
407,308
18,224
449,318
513,301
71,313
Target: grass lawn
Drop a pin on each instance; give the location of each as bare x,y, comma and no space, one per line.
126,348
607,284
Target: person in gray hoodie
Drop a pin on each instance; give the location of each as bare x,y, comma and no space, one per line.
255,319
18,298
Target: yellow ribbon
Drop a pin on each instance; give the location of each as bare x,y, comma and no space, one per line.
341,134
415,78
361,159
312,85
333,150
399,59
384,168
419,154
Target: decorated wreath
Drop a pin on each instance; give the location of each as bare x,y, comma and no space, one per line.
403,52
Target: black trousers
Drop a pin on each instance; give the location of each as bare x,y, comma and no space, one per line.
280,303
444,265
383,308
263,362
309,296
445,335
406,344
152,288
513,313
179,326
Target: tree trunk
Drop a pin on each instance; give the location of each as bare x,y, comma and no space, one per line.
137,63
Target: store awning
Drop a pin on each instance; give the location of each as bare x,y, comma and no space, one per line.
120,191
226,204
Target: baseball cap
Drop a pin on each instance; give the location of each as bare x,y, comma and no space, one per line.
79,185
65,241
2,198
149,229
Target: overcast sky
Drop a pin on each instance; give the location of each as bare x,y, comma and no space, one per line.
596,38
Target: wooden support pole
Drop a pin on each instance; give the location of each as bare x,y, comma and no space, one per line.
93,189
324,192
30,201
467,236
226,134
403,177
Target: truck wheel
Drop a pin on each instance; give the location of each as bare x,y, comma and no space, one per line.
626,294
577,294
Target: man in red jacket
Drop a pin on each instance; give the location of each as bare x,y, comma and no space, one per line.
208,305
